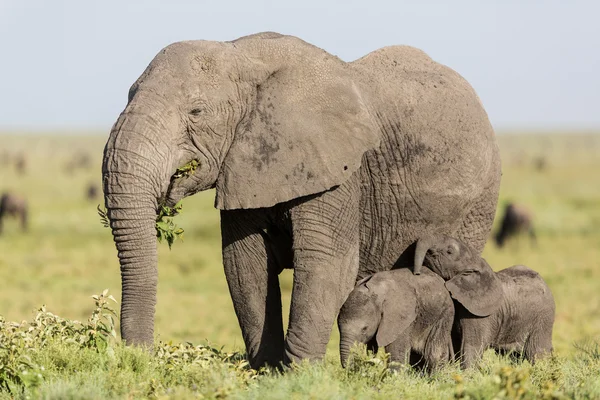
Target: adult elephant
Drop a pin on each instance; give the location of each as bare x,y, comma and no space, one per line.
329,167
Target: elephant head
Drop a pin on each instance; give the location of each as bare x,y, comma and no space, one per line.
374,310
267,118
469,278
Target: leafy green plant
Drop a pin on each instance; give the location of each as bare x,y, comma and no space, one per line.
20,341
590,349
165,227
364,363
103,216
186,170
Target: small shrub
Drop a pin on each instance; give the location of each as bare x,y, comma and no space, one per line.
20,341
363,363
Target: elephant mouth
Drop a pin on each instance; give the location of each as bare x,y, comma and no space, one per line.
187,180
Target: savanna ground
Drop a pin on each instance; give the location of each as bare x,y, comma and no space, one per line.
67,256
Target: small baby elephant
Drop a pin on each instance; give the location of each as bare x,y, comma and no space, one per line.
401,312
510,311
13,205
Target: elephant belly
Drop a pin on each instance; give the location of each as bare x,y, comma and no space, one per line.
397,208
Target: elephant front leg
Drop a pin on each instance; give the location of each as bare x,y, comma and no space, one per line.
326,257
252,275
474,338
399,350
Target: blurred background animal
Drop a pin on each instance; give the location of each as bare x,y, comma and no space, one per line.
80,160
20,164
516,220
15,206
92,191
509,311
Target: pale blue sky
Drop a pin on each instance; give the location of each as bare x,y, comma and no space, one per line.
69,64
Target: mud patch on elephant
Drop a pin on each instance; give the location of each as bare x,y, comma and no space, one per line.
267,150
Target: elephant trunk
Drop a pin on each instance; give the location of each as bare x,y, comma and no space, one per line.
345,345
135,166
423,245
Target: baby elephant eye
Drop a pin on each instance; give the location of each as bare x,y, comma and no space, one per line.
450,250
196,111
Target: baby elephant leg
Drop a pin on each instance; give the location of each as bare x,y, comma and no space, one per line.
438,346
539,344
472,344
399,349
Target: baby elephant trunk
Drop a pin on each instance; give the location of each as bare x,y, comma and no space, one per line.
423,245
345,345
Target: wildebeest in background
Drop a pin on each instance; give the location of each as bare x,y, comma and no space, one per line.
20,164
15,206
80,160
92,191
516,219
540,163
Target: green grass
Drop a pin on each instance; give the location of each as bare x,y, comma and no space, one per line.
67,255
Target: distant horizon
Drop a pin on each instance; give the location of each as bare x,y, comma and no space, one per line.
69,64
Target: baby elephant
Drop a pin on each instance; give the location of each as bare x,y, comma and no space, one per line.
401,312
13,205
509,310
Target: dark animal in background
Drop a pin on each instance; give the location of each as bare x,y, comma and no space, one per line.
408,315
92,191
516,219
540,163
21,164
510,311
15,206
80,160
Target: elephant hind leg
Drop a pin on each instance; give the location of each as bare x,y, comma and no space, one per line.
539,343
477,223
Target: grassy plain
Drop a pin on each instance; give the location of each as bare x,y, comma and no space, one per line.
67,256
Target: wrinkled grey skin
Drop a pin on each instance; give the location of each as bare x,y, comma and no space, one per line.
14,206
403,313
516,219
327,167
510,311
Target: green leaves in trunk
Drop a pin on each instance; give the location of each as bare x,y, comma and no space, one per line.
103,216
165,227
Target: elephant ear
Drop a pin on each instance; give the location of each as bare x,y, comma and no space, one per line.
479,290
399,311
306,133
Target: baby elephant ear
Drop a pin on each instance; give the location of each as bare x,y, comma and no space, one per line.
399,311
478,290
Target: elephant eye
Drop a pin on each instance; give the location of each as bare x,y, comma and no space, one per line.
450,250
196,111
